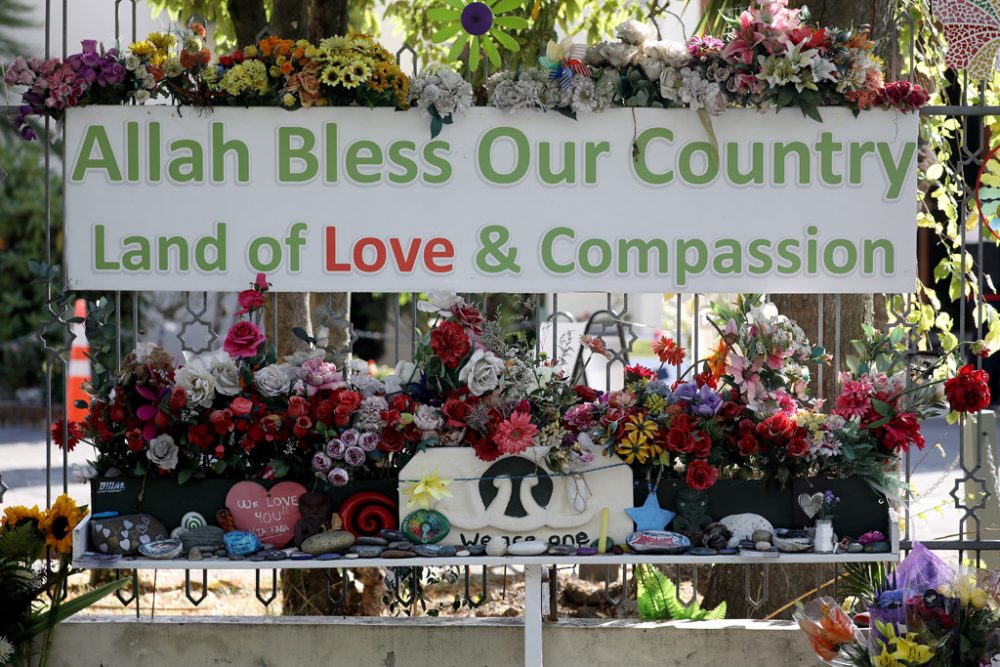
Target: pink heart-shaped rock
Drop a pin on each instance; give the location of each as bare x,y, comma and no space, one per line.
270,515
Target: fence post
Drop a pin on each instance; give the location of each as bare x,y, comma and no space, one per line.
979,455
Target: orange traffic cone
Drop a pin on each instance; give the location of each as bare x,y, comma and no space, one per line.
79,367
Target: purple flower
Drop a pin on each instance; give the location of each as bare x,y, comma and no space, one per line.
704,402
349,437
354,456
368,442
338,477
871,537
335,449
321,463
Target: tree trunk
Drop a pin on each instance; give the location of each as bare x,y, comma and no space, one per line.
326,17
248,19
787,582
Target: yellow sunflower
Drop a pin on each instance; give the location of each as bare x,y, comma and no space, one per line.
360,70
332,76
19,514
58,523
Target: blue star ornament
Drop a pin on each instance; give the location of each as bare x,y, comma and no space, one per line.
650,516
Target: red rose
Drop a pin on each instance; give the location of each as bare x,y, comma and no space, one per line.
222,420
117,413
247,444
702,444
349,399
679,440
392,440
162,419
613,416
969,391
202,436
747,426
402,403
903,95
469,317
747,445
325,411
302,426
683,422
241,407
297,407
243,340
450,343
798,447
250,299
220,451
586,393
701,476
342,416
730,410
134,440
778,426
178,399
455,411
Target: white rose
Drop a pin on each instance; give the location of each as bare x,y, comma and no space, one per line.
163,452
273,380
481,372
141,96
635,32
198,384
407,372
227,377
392,384
427,418
439,301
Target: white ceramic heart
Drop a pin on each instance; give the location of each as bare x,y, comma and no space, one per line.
811,504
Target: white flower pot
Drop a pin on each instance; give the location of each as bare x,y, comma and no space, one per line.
823,541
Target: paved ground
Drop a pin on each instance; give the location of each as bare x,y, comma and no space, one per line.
935,470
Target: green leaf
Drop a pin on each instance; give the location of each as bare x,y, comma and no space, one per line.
184,475
504,6
64,610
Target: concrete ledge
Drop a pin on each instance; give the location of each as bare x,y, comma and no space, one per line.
93,641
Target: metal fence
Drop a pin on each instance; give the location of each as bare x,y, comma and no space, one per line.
969,478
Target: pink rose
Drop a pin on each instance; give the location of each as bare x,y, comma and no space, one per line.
250,299
243,340
241,407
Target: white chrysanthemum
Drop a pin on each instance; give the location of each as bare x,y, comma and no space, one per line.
6,651
584,98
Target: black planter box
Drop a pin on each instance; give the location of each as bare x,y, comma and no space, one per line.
168,501
861,508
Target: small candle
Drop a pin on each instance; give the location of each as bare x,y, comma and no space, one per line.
602,543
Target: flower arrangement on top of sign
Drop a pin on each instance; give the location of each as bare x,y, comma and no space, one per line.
772,58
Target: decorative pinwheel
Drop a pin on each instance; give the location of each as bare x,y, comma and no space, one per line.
972,29
477,24
563,60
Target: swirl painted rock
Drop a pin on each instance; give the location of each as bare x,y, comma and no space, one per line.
334,541
425,526
658,542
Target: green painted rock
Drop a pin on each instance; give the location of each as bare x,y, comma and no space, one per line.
331,542
878,548
425,526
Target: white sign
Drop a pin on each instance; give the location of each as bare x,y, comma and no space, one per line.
342,199
518,497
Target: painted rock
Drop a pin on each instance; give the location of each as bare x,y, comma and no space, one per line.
258,557
855,548
877,548
241,543
476,549
351,556
277,554
497,546
658,542
448,552
195,554
727,551
329,542
427,550
743,526
206,538
761,536
193,520
527,548
391,535
372,541
762,545
586,551
401,546
425,526
124,535
162,549
396,553
366,550
330,556
464,553
561,550
609,544
702,551
302,556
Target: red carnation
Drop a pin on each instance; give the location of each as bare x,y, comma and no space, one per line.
450,343
700,475
485,447
969,391
73,435
349,400
402,403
